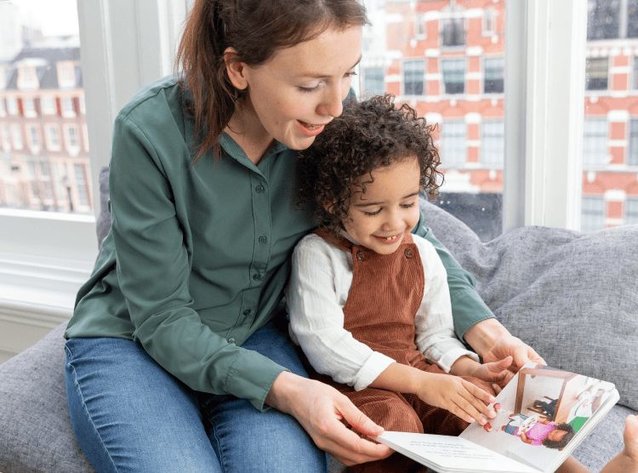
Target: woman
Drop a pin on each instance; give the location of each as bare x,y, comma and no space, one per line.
177,345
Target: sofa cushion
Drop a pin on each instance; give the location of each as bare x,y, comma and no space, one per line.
570,295
35,431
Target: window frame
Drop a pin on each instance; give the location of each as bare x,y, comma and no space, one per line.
38,285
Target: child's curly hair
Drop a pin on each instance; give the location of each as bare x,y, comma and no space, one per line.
368,135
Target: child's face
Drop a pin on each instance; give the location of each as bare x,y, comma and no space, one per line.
379,218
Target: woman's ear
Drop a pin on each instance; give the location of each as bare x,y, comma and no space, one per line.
235,69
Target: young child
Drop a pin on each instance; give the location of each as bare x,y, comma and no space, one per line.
368,301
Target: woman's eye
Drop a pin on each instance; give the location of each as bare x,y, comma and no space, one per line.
308,89
351,74
407,206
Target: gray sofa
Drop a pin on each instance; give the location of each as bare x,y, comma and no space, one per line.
572,296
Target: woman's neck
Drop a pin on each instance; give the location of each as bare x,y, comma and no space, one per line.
248,132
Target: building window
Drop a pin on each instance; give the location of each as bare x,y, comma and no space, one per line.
28,104
632,19
5,138
603,19
373,80
596,73
413,71
53,137
16,136
489,22
493,144
72,137
635,74
68,110
80,181
34,137
593,213
632,155
47,104
420,29
66,74
12,106
453,144
453,75
631,210
493,82
452,32
595,147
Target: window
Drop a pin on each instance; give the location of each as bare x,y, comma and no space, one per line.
489,22
453,75
413,73
635,73
453,144
5,138
632,19
34,137
373,80
48,105
452,32
29,107
603,20
53,137
16,136
493,82
72,138
595,146
631,210
12,106
68,110
596,73
81,184
420,28
632,154
493,144
593,213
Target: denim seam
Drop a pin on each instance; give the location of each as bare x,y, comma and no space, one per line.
220,450
86,410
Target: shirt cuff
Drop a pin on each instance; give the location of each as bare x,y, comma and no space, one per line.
451,355
371,369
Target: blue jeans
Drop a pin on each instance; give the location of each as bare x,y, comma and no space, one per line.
130,415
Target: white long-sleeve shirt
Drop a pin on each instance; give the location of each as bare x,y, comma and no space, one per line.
318,289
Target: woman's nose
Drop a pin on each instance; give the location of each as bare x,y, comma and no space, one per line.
332,102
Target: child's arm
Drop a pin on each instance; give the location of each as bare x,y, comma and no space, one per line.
460,397
317,290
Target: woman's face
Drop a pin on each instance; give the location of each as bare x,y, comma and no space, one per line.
293,95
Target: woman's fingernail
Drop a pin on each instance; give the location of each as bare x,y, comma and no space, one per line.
487,427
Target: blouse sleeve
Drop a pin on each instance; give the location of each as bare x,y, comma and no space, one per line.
317,320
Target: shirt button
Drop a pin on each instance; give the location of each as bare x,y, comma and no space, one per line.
408,253
258,276
231,340
260,188
263,239
247,312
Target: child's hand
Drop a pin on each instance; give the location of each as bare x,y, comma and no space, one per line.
495,371
460,397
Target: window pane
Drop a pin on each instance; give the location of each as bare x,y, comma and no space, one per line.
445,59
494,75
610,139
453,147
631,211
453,75
373,81
41,93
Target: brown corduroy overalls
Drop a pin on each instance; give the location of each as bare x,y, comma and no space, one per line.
380,311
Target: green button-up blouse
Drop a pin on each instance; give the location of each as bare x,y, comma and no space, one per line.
199,250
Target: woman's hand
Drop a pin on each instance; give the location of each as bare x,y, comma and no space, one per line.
332,421
460,397
495,372
493,342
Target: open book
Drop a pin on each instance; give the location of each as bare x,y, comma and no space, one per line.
545,413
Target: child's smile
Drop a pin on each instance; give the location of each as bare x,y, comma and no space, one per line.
387,208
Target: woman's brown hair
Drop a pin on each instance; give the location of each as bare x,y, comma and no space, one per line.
255,29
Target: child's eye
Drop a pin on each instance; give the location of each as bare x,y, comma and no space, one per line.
372,213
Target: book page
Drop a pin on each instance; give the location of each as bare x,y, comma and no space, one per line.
448,454
545,413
